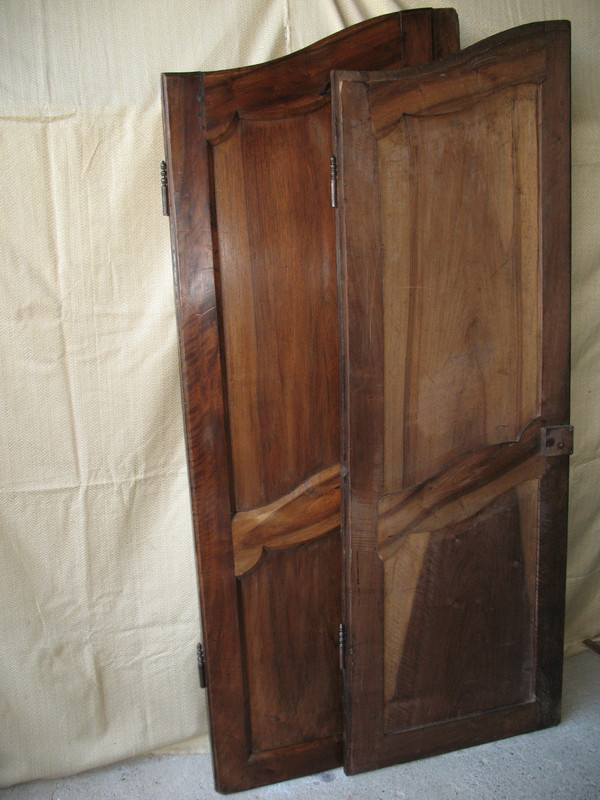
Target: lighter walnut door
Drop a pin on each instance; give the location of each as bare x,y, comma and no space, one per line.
454,256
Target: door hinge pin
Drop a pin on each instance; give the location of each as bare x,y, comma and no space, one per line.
333,174
342,644
201,667
163,188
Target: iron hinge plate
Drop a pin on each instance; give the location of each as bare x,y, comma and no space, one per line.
557,440
342,645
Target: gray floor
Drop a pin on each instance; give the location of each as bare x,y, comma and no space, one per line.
562,762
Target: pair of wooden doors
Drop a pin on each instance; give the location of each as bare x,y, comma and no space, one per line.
424,610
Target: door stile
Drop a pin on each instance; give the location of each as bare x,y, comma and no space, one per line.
203,407
361,294
555,212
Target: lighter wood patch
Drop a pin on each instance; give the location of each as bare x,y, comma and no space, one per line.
308,512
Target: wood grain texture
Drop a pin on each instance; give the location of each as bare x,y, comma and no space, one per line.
300,82
555,200
460,490
308,512
405,573
254,251
471,602
288,709
469,376
361,313
279,303
454,220
203,404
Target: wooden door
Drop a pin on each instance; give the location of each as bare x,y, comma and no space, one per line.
454,262
253,236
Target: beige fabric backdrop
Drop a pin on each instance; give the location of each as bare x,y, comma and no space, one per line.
98,611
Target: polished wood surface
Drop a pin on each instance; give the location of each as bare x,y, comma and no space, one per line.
454,274
309,512
254,253
300,82
294,705
279,303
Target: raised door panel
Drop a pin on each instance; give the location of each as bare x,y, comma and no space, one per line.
253,236
454,269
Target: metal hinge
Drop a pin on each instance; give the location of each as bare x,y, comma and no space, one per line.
557,440
342,645
163,188
201,668
333,174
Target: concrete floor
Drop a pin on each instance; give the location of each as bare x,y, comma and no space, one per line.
561,763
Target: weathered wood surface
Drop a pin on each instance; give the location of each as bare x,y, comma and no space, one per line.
459,490
454,269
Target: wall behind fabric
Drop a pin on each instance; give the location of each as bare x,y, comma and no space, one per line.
98,611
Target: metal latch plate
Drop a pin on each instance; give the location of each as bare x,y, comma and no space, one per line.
557,440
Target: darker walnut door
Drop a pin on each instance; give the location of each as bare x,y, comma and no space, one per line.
253,237
454,257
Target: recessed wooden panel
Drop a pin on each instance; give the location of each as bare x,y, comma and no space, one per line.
470,604
462,297
279,301
454,233
254,249
287,709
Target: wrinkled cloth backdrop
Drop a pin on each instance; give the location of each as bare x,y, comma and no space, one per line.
98,613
